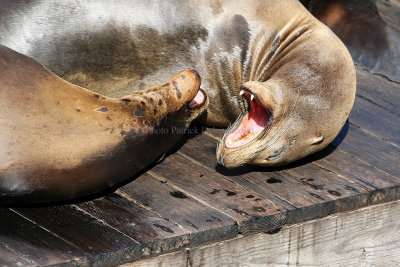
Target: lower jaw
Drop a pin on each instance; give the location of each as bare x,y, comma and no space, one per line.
246,132
243,140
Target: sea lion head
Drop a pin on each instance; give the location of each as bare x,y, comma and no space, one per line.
278,127
185,97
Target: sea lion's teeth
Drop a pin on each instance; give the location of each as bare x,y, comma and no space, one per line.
229,142
251,97
241,92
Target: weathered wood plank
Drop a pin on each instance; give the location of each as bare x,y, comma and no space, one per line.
10,259
370,149
102,244
300,186
378,90
294,185
365,237
338,193
355,169
154,233
310,199
376,120
204,223
251,213
329,183
34,243
274,185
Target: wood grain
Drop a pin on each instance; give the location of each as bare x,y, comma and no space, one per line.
10,259
376,120
370,149
329,183
356,170
378,90
87,233
274,185
154,233
32,242
214,190
204,223
366,237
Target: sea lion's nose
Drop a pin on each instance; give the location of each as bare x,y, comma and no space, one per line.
186,84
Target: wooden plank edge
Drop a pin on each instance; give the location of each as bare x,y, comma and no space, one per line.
365,237
344,204
10,257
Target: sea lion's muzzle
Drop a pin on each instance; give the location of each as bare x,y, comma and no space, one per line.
237,147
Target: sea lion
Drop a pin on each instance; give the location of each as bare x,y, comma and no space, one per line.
296,77
59,141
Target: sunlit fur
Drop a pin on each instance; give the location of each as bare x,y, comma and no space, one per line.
299,68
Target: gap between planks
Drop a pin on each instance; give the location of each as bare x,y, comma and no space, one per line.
280,198
105,223
233,182
47,230
123,194
374,134
160,178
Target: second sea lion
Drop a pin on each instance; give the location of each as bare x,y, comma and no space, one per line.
59,141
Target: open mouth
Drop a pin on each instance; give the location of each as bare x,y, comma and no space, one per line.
252,123
199,100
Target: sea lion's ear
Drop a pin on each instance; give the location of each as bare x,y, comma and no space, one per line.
316,140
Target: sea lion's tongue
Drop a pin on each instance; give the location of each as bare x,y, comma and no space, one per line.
250,127
198,99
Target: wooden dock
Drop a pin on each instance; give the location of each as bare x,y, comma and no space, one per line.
336,208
